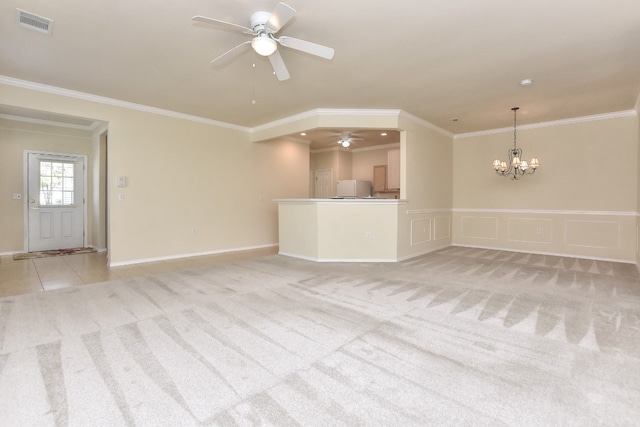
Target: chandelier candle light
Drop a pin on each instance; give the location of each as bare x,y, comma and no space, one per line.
516,167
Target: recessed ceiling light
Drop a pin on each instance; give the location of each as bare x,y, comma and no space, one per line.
383,134
303,133
526,82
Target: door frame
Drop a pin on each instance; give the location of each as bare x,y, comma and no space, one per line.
25,192
315,182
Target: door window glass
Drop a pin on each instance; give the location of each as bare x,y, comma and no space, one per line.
56,183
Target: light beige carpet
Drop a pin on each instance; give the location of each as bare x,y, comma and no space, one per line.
457,337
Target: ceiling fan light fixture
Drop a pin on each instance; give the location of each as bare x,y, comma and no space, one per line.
264,45
345,143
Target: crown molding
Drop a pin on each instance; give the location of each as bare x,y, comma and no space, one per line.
318,112
562,122
10,81
417,120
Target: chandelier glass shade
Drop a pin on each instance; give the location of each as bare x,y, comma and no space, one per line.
515,167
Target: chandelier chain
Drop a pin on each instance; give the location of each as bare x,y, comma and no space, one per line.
516,168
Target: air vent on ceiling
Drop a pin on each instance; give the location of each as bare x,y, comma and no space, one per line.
34,22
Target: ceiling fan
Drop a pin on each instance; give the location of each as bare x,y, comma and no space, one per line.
265,40
348,139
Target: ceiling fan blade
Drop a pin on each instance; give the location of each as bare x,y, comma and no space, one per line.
280,16
205,20
278,66
308,47
227,53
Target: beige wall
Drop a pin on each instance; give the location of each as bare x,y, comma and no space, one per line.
339,230
193,187
15,138
198,187
351,164
339,161
323,160
426,165
364,160
98,201
580,202
638,200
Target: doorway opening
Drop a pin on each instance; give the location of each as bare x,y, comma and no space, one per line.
323,183
56,215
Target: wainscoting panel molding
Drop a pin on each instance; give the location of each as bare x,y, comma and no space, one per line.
481,227
441,227
531,230
423,230
592,234
420,231
609,235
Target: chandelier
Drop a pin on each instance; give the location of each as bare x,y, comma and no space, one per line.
516,167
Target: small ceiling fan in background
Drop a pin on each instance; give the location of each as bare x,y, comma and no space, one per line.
265,40
347,139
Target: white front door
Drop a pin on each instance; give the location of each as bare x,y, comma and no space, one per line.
55,201
324,184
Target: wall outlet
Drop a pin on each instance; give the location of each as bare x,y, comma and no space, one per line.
17,196
120,196
367,234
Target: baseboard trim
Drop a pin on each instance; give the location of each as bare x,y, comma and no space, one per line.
624,261
10,253
190,255
427,251
350,260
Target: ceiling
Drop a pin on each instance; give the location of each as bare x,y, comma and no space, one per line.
323,138
437,60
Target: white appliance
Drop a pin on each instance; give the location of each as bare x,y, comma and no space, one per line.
353,189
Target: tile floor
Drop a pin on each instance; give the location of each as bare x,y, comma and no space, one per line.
44,274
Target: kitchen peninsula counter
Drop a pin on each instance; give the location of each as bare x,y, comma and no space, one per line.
340,230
